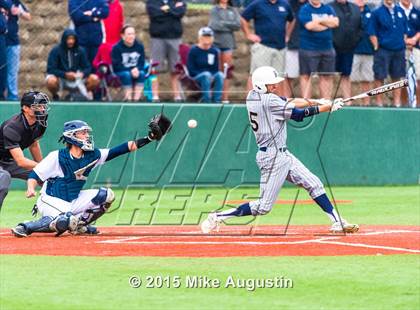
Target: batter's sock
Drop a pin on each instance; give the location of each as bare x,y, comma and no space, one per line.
242,210
328,208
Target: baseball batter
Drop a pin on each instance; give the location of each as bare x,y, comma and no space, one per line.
268,113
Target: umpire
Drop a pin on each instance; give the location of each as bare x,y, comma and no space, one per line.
22,131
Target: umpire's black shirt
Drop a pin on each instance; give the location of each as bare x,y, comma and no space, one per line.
16,132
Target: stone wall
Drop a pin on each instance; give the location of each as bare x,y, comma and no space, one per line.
50,18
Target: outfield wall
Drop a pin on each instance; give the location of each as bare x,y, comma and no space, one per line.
360,146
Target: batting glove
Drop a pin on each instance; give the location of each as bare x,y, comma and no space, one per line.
337,104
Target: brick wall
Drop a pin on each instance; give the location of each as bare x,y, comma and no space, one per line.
50,18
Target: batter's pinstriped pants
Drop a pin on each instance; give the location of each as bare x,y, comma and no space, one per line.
276,167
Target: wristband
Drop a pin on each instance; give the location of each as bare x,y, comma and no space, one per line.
143,141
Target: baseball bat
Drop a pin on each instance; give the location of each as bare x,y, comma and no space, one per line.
380,90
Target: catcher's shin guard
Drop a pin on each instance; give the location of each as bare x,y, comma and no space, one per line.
41,225
102,202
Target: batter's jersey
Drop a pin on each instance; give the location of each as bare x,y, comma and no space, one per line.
268,115
65,175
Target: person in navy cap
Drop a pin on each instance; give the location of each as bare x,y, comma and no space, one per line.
388,31
203,66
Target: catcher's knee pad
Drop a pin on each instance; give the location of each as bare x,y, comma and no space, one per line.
64,222
105,196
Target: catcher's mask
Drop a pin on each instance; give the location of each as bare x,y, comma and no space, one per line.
39,104
73,129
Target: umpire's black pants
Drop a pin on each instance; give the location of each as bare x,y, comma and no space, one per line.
9,170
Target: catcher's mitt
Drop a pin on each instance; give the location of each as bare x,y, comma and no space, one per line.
159,125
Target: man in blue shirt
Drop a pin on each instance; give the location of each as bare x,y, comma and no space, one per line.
388,31
413,36
203,66
68,67
273,22
316,51
87,16
17,10
362,69
5,6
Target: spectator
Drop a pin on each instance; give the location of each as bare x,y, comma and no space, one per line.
388,31
103,56
292,51
273,24
128,63
17,10
114,22
413,36
87,16
237,3
203,66
68,67
224,21
363,54
166,32
345,38
316,51
5,6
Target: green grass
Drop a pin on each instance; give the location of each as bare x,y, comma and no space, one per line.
386,282
370,205
345,282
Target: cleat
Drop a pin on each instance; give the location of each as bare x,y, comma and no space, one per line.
344,227
85,230
19,231
210,224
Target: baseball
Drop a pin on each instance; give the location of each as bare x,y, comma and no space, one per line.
192,123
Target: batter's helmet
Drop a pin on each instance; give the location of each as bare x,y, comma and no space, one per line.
263,76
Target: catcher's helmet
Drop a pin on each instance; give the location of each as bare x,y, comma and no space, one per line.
70,130
39,103
263,76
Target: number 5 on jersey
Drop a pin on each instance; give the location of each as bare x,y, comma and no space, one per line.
253,119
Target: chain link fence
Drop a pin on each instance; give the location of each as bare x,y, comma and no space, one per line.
50,18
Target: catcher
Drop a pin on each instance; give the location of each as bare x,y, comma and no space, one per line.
63,205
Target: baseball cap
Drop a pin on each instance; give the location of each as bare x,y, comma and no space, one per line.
205,32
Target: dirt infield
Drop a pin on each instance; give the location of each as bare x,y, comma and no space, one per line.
187,241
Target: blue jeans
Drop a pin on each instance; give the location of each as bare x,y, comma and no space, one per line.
3,65
13,55
127,80
205,80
